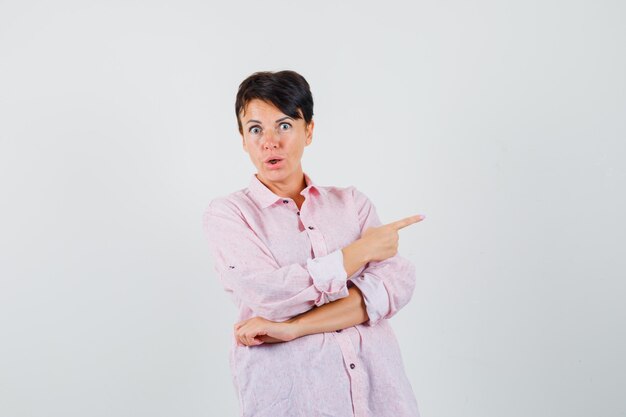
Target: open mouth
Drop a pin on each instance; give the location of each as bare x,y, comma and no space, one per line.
273,161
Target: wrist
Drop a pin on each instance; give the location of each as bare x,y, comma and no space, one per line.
295,327
362,249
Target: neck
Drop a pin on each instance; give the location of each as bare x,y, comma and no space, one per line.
289,188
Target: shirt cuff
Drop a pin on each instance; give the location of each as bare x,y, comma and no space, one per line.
329,277
375,296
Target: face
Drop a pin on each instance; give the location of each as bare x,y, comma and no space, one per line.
269,132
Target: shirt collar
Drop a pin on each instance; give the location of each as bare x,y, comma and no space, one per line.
265,197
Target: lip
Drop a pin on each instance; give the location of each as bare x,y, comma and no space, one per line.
277,165
269,158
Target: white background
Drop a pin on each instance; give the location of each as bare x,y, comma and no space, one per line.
504,122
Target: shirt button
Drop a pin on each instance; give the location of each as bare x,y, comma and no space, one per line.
352,366
298,213
285,201
311,227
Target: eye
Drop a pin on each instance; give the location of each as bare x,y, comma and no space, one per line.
285,126
254,130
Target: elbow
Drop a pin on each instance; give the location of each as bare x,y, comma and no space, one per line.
400,295
411,281
409,284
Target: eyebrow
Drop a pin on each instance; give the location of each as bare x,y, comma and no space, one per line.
281,119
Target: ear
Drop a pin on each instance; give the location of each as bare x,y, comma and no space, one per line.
309,132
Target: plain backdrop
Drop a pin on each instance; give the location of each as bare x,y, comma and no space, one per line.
504,122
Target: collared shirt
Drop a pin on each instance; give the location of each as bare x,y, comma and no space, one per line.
277,261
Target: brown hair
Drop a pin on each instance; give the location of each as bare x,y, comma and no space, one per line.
287,90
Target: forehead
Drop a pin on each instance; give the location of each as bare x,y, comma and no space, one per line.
256,106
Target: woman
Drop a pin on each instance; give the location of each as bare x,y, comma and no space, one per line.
314,274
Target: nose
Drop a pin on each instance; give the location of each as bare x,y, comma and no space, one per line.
270,140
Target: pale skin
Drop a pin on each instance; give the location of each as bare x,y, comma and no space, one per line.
267,131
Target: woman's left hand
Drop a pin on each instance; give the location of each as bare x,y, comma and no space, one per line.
257,330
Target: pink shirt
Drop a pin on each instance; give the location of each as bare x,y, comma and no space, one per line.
276,262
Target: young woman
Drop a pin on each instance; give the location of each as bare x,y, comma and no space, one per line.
314,274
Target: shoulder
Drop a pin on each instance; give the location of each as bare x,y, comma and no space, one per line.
335,197
354,194
340,192
348,197
229,205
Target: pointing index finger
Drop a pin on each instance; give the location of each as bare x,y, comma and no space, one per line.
399,224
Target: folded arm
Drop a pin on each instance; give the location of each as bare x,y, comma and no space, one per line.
336,315
376,291
340,314
384,299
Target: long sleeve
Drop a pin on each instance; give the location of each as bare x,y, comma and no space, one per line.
248,270
388,285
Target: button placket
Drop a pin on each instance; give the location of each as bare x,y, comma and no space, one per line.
317,242
356,376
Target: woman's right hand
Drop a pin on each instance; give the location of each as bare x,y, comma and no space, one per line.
382,242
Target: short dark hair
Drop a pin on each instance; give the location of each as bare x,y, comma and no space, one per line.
286,89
